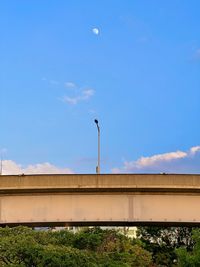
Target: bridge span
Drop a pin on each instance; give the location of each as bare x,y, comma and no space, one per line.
107,199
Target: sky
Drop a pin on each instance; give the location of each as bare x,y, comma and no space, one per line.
133,65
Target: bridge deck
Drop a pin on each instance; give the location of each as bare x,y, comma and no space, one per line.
115,199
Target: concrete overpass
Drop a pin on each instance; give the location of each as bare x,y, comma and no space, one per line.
115,199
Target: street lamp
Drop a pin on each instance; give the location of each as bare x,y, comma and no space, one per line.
98,163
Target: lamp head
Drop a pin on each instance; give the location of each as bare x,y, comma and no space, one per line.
96,121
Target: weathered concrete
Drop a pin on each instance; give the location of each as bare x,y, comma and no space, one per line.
115,199
103,182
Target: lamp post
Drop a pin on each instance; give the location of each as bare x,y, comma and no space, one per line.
1,166
1,162
98,162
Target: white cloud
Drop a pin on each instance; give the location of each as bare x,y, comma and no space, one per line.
71,100
194,150
176,162
87,93
70,85
84,95
154,160
10,167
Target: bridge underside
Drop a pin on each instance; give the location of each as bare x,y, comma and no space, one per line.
100,209
39,203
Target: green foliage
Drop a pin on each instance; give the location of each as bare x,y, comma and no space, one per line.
91,247
162,242
95,247
190,258
113,248
167,236
89,239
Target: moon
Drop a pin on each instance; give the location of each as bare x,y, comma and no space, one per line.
95,31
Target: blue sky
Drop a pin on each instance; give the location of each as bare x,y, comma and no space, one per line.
139,75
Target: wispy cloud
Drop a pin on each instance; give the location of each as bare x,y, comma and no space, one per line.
154,160
70,85
177,162
51,82
84,95
54,82
87,94
10,167
71,100
75,96
193,150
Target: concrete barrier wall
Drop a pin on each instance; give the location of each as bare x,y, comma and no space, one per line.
93,181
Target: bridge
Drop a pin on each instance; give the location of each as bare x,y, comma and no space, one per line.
107,199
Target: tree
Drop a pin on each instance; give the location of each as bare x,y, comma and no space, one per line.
113,248
91,247
162,242
190,258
